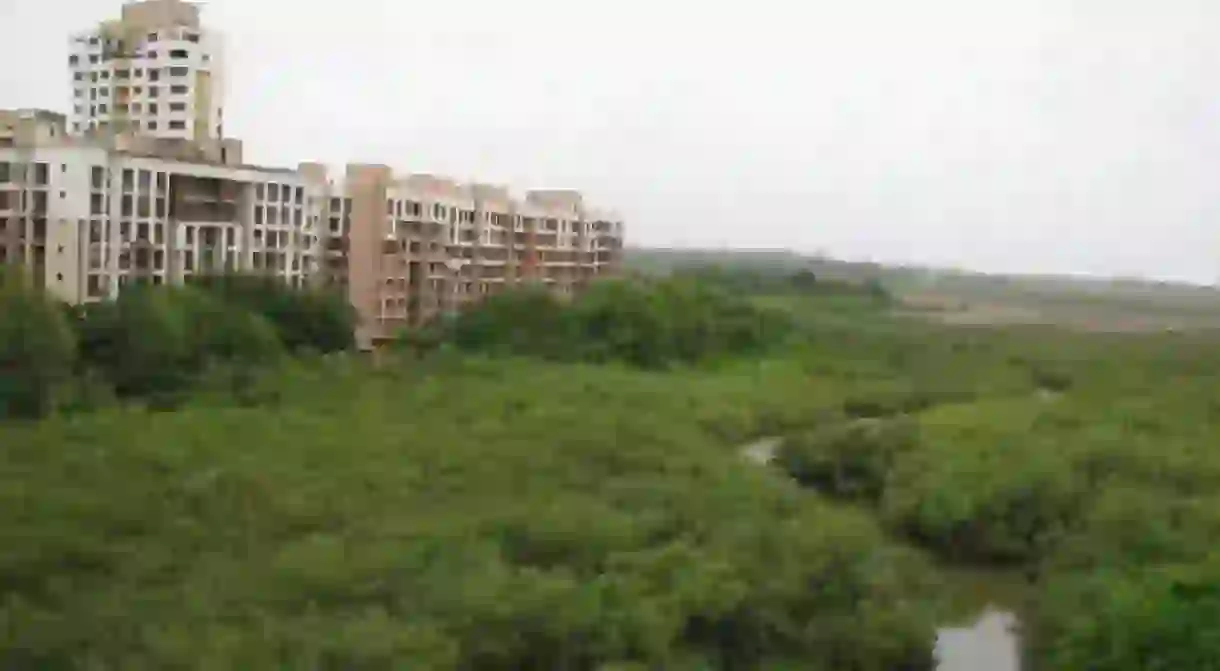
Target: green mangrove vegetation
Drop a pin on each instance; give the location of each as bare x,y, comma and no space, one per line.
208,477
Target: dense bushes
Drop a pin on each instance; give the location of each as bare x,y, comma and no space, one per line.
475,511
490,515
320,320
1166,617
37,350
849,459
650,325
153,343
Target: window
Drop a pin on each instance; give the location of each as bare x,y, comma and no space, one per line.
139,73
6,172
191,37
93,58
79,76
101,108
122,74
40,174
178,53
105,74
152,108
151,54
152,125
177,107
177,125
258,215
179,71
137,108
152,37
73,59
273,192
92,76
154,75
96,204
178,90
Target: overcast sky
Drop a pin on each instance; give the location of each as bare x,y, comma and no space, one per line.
1005,135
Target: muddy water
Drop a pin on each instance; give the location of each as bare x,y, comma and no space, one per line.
990,644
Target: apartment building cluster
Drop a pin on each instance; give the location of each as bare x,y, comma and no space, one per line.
140,184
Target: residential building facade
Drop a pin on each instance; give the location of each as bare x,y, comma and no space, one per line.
154,71
86,217
140,184
410,248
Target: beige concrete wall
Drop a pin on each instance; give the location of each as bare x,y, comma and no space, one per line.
366,186
150,13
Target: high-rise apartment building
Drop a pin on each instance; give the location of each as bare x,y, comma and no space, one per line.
154,71
139,184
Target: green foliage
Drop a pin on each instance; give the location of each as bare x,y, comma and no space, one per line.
1162,619
491,514
849,459
584,506
153,342
316,319
650,325
37,350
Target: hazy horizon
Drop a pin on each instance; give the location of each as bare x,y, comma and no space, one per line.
1028,136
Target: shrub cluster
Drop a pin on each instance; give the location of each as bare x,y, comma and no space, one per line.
154,342
645,324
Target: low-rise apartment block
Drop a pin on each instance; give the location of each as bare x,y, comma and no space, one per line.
409,248
86,216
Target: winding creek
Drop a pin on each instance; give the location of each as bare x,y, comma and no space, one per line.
990,642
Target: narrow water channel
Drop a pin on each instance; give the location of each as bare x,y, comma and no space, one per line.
989,643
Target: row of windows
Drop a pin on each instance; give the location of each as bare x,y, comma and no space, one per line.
122,92
270,216
17,172
152,36
134,108
284,193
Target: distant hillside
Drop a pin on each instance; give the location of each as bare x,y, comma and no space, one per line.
1044,298
662,261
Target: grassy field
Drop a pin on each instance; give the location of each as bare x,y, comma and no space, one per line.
491,511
